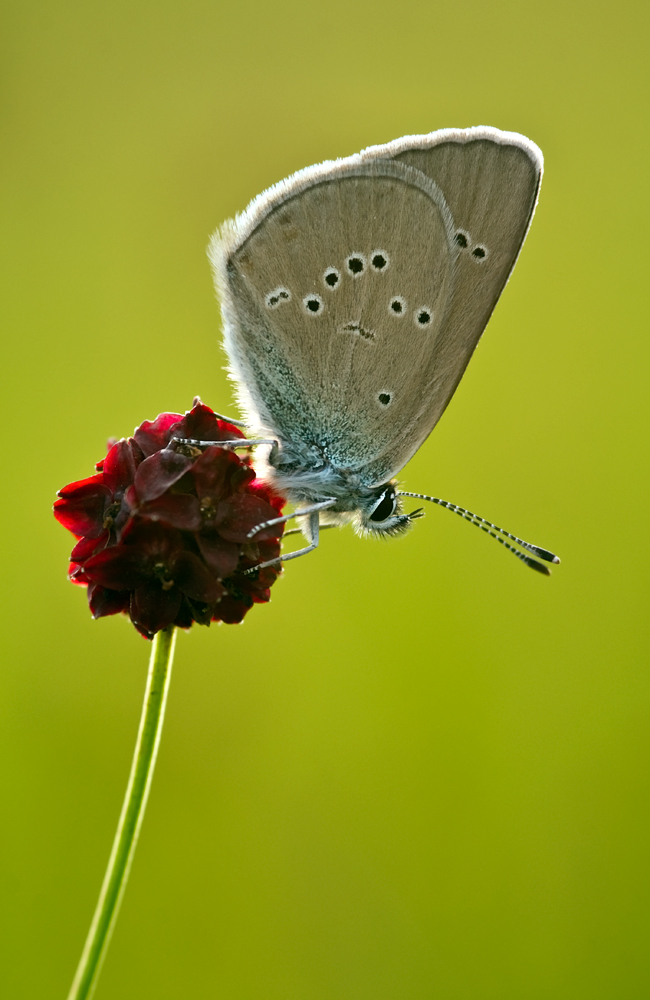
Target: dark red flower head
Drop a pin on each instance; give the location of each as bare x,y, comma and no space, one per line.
162,528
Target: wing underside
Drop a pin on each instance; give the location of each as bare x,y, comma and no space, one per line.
355,292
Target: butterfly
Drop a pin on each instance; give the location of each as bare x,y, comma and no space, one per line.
353,294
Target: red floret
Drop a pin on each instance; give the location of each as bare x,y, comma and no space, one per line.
164,527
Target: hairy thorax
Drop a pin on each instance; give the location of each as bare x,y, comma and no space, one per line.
305,475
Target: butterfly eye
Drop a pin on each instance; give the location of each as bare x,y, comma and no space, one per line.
331,277
356,264
479,252
423,316
385,506
397,306
379,260
312,304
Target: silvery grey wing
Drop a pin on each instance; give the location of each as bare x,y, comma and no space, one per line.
334,288
490,180
354,292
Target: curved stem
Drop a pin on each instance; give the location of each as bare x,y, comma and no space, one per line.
128,828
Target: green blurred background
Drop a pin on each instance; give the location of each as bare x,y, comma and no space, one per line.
422,771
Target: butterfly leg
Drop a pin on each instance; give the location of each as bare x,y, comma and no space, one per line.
323,505
230,420
312,529
234,443
298,531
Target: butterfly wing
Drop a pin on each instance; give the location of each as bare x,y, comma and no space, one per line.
490,180
345,291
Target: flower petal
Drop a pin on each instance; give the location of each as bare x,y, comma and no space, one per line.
152,435
259,586
157,542
153,608
118,568
103,602
81,507
157,473
213,473
87,547
119,467
231,610
221,556
181,510
243,512
81,484
269,549
76,575
194,578
201,424
266,492
185,616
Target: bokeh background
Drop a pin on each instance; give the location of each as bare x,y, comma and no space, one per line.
422,770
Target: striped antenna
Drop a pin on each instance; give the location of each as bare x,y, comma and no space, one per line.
495,532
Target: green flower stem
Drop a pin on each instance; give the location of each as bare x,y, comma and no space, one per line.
128,828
